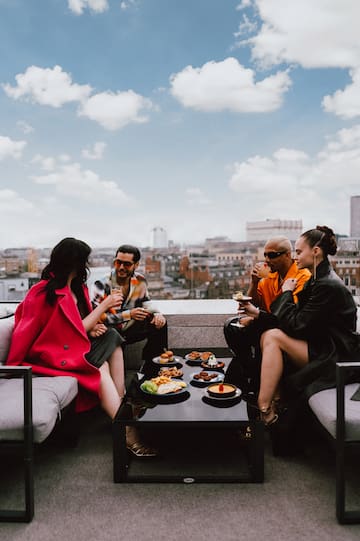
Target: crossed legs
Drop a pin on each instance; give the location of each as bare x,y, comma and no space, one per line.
274,343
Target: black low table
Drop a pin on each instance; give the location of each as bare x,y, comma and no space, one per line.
198,441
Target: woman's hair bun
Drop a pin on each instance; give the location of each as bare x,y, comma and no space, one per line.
328,239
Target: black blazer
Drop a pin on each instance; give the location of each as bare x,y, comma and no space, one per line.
325,317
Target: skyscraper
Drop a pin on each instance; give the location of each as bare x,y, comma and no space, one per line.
355,216
158,238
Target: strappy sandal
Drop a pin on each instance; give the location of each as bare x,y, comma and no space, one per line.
265,412
140,450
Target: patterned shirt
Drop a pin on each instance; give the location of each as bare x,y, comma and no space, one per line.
120,317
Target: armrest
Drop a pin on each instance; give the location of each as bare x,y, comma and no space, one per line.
24,372
342,370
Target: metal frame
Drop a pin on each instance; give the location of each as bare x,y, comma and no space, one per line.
24,447
342,444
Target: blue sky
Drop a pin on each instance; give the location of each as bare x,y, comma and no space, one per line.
193,115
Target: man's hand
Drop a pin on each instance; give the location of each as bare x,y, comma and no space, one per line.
139,314
158,320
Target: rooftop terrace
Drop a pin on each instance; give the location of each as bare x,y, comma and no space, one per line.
75,497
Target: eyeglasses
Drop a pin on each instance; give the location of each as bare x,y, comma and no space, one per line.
273,255
127,264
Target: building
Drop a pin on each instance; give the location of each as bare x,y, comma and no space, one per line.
158,238
355,216
264,230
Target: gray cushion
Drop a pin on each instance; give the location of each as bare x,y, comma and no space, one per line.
323,404
6,328
50,395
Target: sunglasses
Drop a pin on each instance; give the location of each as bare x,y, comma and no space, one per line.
273,255
126,264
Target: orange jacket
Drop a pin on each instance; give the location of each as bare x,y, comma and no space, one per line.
269,289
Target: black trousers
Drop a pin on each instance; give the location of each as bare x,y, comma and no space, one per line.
244,343
156,339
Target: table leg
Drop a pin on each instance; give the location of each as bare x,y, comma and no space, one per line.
120,455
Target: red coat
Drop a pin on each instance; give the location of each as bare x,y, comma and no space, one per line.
53,340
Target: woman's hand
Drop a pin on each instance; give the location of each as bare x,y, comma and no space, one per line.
289,284
98,330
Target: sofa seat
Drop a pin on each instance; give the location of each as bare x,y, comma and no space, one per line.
50,396
323,405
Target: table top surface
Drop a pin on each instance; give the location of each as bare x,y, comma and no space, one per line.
185,407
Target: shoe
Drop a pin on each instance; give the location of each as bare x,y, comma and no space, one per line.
140,450
265,413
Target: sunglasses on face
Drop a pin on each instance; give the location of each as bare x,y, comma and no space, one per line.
273,255
126,264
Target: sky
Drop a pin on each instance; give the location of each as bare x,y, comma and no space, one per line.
118,116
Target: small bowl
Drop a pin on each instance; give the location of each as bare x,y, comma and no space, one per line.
214,390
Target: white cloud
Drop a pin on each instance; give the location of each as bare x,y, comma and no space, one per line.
74,181
47,163
321,33
127,4
94,153
115,110
10,148
11,202
292,184
345,103
47,86
78,6
227,85
24,127
196,197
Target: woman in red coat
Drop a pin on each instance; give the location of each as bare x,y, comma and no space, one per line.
57,333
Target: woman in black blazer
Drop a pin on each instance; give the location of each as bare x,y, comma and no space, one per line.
313,334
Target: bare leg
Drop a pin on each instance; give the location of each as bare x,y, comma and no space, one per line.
116,365
273,343
109,396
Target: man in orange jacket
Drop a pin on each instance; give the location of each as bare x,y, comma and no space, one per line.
266,282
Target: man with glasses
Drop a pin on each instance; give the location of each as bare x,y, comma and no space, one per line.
244,341
132,320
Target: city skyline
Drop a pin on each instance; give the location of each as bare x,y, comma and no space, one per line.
119,117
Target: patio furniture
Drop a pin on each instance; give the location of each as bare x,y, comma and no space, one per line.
199,441
339,417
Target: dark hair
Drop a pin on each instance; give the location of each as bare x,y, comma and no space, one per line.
129,249
322,236
69,255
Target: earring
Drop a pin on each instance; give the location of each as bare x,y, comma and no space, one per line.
314,269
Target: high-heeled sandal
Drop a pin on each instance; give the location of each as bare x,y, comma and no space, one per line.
265,412
141,450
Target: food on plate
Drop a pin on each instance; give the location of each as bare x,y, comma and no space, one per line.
238,296
167,356
206,376
162,385
193,355
171,372
219,390
206,355
213,363
149,387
